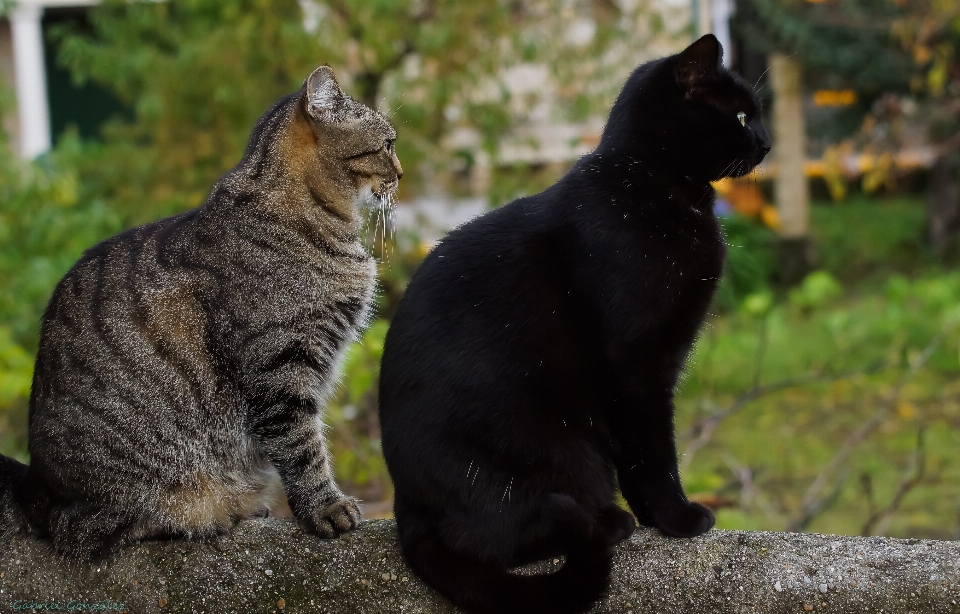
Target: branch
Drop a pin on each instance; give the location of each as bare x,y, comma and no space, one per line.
704,428
812,500
269,565
702,431
910,480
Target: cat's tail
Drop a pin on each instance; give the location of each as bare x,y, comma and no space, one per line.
479,588
12,474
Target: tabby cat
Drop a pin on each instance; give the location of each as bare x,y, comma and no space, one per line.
183,365
531,364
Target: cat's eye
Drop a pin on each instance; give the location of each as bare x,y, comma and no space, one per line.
388,144
743,118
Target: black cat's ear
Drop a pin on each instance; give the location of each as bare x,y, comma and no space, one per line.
324,96
698,64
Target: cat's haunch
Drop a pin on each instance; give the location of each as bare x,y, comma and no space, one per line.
529,370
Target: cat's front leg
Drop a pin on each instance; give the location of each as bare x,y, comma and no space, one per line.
289,433
646,460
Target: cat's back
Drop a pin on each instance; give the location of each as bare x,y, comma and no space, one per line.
497,267
113,308
109,276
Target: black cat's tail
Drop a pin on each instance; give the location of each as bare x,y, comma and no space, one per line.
12,475
479,588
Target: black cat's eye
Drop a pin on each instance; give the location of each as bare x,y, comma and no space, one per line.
743,118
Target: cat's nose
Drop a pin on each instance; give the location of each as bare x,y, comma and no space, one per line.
765,147
399,175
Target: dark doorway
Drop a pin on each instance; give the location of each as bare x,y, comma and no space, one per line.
86,107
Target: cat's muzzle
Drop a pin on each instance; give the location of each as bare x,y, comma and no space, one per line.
387,190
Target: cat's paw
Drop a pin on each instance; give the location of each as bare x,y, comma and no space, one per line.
338,517
616,524
643,514
688,520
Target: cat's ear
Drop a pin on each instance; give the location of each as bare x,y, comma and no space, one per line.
698,64
324,96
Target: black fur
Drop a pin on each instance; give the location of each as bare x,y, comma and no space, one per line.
530,367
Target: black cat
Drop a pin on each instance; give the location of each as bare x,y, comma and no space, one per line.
535,352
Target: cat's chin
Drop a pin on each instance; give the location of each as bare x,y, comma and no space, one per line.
368,199
387,191
742,170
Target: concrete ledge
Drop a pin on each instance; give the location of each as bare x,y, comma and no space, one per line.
271,566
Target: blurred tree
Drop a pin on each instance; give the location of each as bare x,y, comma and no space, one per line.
198,73
930,33
841,43
880,49
792,194
827,44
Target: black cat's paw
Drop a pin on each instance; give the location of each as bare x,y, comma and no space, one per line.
616,525
644,515
339,517
688,520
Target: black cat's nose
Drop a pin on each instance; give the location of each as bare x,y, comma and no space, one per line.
765,147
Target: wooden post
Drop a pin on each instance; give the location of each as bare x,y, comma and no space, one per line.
791,189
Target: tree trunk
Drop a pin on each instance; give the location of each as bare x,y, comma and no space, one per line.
270,565
943,205
792,194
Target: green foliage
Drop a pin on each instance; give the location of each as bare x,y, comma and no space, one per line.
47,219
196,75
751,261
864,237
880,48
16,371
842,359
513,181
816,291
355,437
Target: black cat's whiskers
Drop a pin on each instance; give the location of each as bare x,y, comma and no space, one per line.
723,173
723,233
761,77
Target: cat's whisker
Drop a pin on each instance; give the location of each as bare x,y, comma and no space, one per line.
761,77
723,173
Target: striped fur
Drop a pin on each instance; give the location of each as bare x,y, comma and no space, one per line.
183,365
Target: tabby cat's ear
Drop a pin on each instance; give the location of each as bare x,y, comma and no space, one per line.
324,96
699,63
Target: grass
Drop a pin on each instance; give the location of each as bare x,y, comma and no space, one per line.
868,238
858,367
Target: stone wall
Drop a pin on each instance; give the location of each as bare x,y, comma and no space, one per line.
270,565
